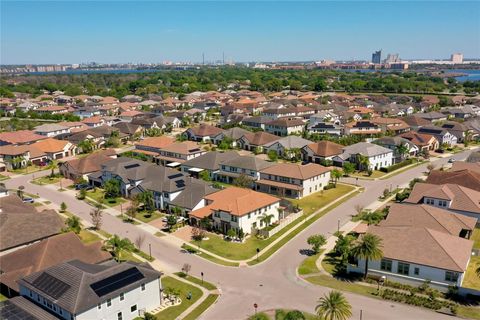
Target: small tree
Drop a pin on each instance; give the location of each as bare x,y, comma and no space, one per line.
20,192
73,224
198,234
386,193
82,194
112,188
171,221
316,241
96,216
205,176
231,233
336,175
241,234
149,316
139,240
186,268
63,207
242,181
272,155
348,168
131,212
430,167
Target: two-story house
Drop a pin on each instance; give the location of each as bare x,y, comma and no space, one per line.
241,165
378,156
82,291
442,135
293,180
52,130
177,153
285,126
238,208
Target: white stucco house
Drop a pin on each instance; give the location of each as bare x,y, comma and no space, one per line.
378,156
82,291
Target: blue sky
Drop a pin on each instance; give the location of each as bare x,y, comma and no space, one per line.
154,31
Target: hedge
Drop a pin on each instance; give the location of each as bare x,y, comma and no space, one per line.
397,166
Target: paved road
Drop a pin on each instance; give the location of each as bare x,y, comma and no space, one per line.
274,283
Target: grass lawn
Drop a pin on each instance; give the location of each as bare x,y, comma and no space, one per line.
2,297
104,233
195,314
184,289
2,177
364,175
281,313
318,200
88,237
265,255
98,195
308,265
46,180
128,256
210,257
205,284
29,169
328,281
146,217
126,219
468,312
329,263
247,249
476,238
471,280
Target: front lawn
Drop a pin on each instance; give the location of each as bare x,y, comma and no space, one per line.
202,307
364,175
88,237
29,169
248,249
47,180
183,288
315,201
99,196
146,217
471,279
2,177
205,284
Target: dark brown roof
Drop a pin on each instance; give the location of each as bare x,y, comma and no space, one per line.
260,138
90,163
46,253
466,178
205,130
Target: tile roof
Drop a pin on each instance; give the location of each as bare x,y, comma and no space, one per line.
51,145
156,142
20,308
462,199
50,127
296,171
205,130
20,137
46,253
184,147
419,139
236,201
424,246
466,178
260,138
91,163
408,215
326,148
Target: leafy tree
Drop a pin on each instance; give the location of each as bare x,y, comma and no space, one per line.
242,181
171,221
96,214
334,306
132,210
348,168
231,233
146,198
316,241
82,194
63,207
198,234
149,316
336,175
86,146
272,155
294,315
20,192
342,248
205,176
112,188
368,247
116,245
73,224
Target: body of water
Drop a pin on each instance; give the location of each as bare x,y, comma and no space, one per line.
470,75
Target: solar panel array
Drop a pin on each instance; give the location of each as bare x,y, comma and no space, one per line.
116,281
9,311
52,286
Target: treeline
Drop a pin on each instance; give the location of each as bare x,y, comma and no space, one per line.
186,81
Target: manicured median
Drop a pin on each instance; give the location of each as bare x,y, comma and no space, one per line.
202,307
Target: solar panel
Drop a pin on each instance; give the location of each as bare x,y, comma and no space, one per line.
173,176
131,166
52,286
9,311
116,281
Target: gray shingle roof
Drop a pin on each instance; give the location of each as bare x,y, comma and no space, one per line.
248,162
77,278
211,160
366,149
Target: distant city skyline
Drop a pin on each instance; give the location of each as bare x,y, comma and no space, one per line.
151,32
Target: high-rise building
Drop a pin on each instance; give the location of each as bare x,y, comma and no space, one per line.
377,57
456,58
392,58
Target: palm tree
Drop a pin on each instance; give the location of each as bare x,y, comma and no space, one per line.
363,162
333,306
52,165
402,150
368,248
116,245
266,218
336,175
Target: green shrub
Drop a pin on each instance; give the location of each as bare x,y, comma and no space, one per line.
397,165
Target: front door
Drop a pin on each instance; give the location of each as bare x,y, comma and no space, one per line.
225,226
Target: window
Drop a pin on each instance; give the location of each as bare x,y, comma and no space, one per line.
403,268
122,296
429,201
133,308
119,316
143,286
99,306
451,276
386,265
416,271
442,203
249,215
109,302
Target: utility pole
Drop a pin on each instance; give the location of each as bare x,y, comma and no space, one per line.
203,58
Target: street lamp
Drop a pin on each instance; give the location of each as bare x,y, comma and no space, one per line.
201,273
150,250
258,251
